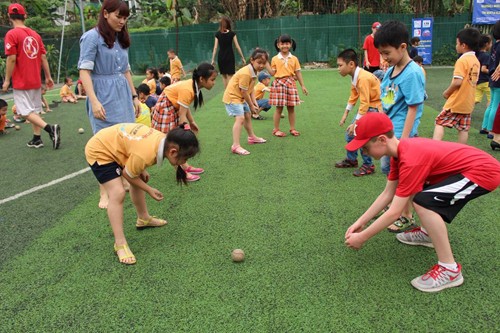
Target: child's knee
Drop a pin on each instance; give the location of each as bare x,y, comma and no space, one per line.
117,195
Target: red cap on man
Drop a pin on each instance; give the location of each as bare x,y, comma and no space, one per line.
370,125
16,8
376,25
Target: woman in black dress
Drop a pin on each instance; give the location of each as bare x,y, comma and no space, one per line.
226,37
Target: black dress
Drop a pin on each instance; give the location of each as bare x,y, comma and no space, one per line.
225,58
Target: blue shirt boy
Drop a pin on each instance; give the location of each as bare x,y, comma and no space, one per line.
397,93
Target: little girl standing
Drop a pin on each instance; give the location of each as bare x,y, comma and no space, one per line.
240,100
151,78
172,107
285,67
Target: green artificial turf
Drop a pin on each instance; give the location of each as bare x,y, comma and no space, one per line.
285,205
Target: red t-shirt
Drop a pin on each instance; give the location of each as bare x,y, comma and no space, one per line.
424,161
28,48
373,55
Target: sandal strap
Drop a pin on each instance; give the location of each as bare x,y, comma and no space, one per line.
146,222
128,254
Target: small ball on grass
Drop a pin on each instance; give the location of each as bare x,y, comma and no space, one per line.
17,127
238,255
81,130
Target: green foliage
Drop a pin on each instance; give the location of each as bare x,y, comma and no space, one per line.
52,58
446,56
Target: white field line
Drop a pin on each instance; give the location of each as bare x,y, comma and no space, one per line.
40,187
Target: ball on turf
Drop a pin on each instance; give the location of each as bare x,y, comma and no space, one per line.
81,130
238,255
17,127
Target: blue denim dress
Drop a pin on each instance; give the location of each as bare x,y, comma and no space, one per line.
108,68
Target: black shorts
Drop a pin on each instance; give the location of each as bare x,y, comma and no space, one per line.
106,172
448,197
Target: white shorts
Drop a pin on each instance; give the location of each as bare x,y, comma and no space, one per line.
28,101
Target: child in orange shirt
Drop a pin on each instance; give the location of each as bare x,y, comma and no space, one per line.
239,99
176,68
128,149
150,80
260,90
285,67
3,118
67,95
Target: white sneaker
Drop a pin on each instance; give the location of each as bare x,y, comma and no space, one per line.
415,236
438,278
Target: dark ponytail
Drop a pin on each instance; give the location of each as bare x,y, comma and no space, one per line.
204,70
188,145
284,39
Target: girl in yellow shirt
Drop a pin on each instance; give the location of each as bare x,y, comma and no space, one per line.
285,67
150,80
173,104
128,149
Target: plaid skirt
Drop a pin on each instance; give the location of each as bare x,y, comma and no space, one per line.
454,120
284,92
164,115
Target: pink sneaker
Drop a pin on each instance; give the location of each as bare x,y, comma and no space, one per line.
255,139
192,178
438,278
194,171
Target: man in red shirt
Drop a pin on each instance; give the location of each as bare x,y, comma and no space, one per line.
439,177
372,56
25,57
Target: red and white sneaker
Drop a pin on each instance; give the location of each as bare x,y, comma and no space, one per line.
192,178
415,236
194,171
438,278
255,139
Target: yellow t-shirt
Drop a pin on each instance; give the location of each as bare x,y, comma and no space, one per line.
151,84
285,66
145,116
65,91
175,68
133,146
180,93
462,100
259,90
366,87
244,79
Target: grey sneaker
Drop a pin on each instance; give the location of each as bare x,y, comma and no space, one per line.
55,136
35,143
415,236
438,278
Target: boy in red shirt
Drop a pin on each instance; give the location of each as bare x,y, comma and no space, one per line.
25,57
372,56
439,177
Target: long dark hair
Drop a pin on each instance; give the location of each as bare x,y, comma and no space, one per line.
105,30
204,70
188,147
225,24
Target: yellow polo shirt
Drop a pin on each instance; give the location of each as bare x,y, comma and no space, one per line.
259,90
151,84
244,79
181,93
366,87
65,91
285,66
133,146
175,68
462,100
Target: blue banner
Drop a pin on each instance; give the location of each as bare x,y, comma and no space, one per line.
422,28
486,11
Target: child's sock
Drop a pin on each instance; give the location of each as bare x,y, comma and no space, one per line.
36,137
48,129
451,267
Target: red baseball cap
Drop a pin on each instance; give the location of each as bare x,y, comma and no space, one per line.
370,125
16,8
376,25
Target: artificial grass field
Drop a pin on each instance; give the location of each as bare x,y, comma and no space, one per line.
285,205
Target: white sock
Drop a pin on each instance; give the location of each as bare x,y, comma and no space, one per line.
452,267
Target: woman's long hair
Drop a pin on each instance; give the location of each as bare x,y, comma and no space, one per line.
105,30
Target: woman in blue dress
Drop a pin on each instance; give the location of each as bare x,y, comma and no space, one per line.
105,72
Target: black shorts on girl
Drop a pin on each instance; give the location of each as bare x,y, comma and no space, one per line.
106,172
448,197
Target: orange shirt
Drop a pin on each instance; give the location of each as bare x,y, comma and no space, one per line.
151,84
366,87
175,68
462,100
180,93
65,91
285,66
259,90
133,146
244,79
